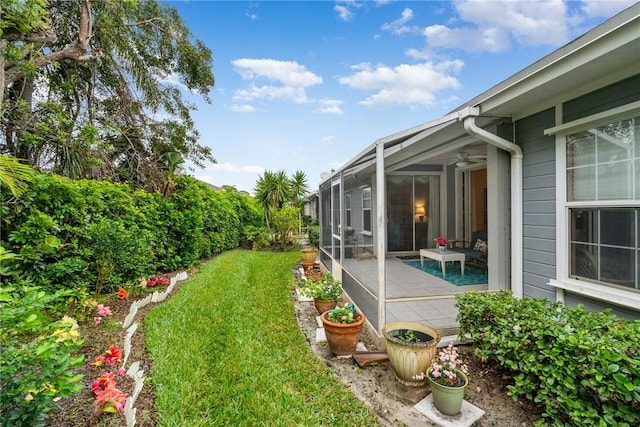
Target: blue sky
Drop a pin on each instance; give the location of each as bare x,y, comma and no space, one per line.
308,85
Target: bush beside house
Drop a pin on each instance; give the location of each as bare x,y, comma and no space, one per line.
582,366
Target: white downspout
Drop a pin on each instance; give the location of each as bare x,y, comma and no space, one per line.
469,121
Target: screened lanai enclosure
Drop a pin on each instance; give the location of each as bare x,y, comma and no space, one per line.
378,212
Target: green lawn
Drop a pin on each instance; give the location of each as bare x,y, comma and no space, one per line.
227,350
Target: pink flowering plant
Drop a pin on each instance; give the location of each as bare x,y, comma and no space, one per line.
446,366
160,281
441,241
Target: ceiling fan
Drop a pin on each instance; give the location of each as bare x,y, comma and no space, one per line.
465,159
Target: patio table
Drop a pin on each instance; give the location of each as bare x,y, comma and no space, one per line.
443,257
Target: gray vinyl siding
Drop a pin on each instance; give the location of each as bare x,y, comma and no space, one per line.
615,95
539,204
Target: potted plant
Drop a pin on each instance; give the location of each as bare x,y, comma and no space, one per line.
343,328
447,376
325,292
309,255
411,346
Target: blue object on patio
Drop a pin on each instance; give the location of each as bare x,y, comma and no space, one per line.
472,275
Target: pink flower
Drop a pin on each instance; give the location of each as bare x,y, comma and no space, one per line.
122,371
103,382
98,361
103,310
97,320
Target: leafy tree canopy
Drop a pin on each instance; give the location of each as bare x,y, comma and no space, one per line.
100,89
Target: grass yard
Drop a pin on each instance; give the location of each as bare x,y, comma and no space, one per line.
227,350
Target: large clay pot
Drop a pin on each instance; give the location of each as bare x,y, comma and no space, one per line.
447,399
323,305
309,256
410,359
342,338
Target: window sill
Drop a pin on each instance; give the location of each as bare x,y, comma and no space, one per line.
601,292
366,233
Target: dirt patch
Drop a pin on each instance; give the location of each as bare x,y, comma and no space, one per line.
394,402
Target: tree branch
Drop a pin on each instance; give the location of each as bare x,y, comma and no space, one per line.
79,51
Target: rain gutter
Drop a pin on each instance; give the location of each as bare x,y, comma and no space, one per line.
468,117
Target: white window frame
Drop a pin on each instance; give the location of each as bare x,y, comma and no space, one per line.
610,294
364,230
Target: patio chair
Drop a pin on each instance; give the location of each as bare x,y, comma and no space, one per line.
475,251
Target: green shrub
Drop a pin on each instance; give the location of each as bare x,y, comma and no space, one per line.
284,224
582,366
257,237
314,235
93,224
38,355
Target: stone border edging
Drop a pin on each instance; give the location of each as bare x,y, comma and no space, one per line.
134,371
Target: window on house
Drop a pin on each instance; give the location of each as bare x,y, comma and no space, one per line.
603,188
366,209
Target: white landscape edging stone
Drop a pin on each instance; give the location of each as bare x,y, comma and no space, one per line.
134,370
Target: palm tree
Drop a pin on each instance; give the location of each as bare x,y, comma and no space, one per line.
14,174
174,159
273,190
299,188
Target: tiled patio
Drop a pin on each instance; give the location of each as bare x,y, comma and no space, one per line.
413,295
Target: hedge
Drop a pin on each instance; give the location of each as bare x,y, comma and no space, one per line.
582,366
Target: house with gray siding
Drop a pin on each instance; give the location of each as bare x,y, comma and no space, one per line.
546,165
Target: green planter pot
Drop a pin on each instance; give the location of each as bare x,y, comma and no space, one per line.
448,400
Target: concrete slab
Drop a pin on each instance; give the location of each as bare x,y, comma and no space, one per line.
468,415
319,322
320,335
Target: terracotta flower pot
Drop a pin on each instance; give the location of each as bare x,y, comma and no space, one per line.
448,399
410,359
342,338
323,305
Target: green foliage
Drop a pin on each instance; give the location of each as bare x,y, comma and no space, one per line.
583,366
77,234
87,131
120,254
38,355
326,288
345,315
257,237
314,235
284,223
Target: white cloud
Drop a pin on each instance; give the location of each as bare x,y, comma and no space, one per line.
332,106
232,168
287,80
327,140
414,85
295,94
471,40
343,13
604,9
344,9
242,108
398,26
289,73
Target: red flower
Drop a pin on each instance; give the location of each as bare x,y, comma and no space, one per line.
441,241
122,293
103,382
112,356
159,281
